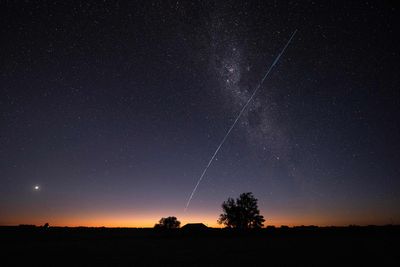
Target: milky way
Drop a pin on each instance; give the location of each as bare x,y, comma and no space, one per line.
262,122
113,109
231,70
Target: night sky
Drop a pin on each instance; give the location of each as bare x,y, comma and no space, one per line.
110,111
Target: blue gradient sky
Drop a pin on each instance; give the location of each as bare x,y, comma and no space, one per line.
114,109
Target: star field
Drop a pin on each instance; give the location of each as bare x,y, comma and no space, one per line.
111,110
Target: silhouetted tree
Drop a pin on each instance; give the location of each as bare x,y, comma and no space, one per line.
242,213
168,223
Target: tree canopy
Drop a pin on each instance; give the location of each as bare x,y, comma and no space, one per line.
242,213
170,222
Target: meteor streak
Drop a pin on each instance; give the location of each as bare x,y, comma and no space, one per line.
237,119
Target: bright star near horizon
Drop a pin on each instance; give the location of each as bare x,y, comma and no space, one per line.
120,128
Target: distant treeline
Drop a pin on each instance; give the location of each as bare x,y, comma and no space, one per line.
269,227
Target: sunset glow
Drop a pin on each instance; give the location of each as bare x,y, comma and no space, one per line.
118,114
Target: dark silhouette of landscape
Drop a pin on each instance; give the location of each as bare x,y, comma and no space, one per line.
243,242
165,114
295,246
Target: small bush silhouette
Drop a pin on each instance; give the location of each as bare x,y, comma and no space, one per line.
242,213
170,222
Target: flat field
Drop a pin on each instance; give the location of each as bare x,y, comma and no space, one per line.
302,246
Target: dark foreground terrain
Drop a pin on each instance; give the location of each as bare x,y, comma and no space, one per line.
302,246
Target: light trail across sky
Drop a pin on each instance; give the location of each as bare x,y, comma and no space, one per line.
237,119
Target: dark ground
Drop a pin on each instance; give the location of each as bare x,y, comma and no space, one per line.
307,246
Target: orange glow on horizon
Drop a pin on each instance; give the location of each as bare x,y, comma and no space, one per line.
145,221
